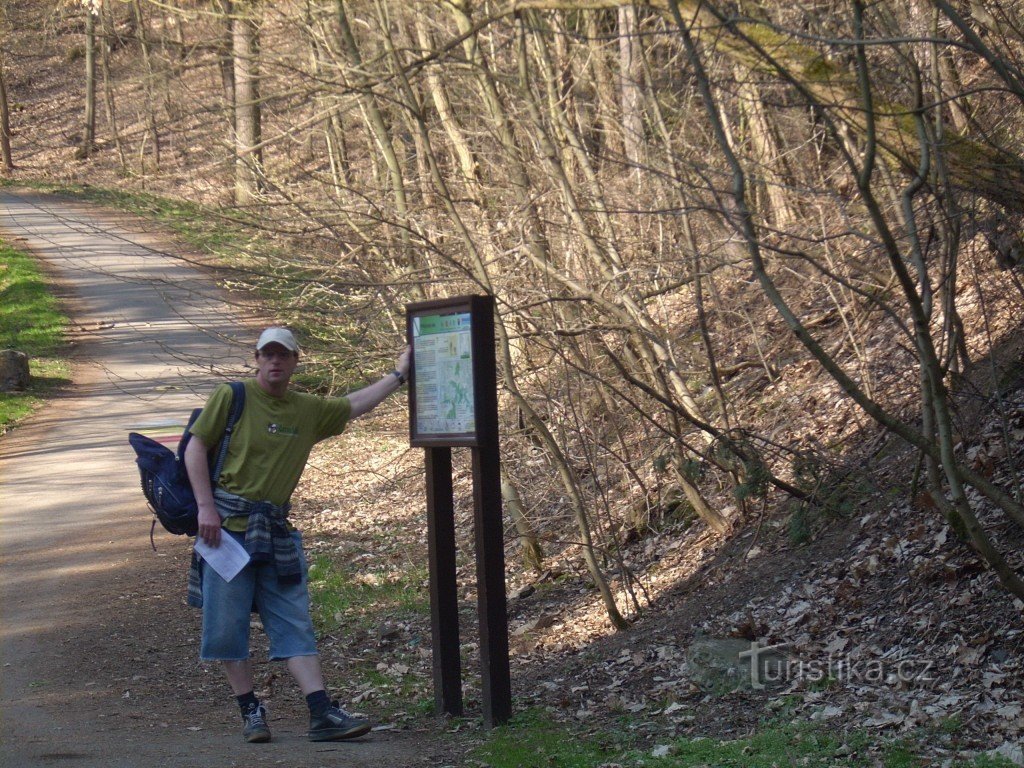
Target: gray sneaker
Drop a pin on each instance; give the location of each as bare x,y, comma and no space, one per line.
336,724
255,729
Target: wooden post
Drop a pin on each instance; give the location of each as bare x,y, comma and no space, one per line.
444,600
496,688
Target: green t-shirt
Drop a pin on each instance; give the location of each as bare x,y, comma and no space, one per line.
272,440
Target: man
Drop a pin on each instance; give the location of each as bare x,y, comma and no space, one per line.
266,456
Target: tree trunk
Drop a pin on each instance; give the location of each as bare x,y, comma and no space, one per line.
629,85
147,60
773,169
533,555
226,65
108,86
245,52
5,123
327,104
89,128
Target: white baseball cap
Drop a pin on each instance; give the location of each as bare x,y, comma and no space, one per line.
280,336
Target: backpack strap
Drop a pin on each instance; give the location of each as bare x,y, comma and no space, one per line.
237,404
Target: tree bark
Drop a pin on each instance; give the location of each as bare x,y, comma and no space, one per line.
147,60
630,75
5,123
773,169
89,124
226,65
245,54
108,86
533,555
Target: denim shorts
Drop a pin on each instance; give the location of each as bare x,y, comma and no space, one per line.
283,608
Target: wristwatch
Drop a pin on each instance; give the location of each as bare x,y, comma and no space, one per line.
401,379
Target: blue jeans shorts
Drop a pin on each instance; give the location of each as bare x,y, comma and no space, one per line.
283,609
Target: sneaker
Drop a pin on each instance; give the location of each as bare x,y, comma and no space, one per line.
336,724
255,730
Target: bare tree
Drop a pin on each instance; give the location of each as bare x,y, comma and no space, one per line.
5,122
107,25
146,48
92,10
249,175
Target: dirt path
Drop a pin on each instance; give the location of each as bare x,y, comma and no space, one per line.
99,662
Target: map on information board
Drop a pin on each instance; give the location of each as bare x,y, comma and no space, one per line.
443,360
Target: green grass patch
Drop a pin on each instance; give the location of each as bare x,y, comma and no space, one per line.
30,322
533,740
357,602
200,227
348,597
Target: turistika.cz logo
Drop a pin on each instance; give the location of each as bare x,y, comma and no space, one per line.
730,663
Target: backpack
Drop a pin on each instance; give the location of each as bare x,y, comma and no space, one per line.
164,478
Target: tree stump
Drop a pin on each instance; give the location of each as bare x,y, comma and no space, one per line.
14,373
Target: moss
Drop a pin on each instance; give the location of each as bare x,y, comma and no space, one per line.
819,69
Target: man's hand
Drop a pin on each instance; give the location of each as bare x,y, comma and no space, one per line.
199,476
209,525
404,360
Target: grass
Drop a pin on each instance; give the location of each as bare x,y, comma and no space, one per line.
358,601
30,322
365,598
200,227
531,740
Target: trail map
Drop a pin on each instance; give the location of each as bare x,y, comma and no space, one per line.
443,361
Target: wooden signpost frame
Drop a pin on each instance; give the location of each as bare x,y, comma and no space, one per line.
496,689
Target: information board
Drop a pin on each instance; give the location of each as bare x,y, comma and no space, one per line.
452,344
453,403
443,356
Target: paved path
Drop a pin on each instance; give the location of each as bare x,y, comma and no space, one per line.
93,630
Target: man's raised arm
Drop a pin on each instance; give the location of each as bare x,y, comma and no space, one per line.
369,397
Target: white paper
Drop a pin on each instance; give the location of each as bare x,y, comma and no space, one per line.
227,559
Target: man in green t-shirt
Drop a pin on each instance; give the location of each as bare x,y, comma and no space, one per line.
266,456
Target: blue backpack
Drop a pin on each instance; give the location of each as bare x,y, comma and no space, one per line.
164,478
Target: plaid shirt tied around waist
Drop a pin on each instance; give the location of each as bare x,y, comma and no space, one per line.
267,540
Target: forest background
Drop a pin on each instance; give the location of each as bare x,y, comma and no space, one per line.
757,268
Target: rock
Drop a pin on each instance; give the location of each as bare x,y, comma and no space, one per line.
720,665
386,633
14,373
1011,751
543,621
523,592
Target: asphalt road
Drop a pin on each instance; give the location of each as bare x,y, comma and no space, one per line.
152,334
